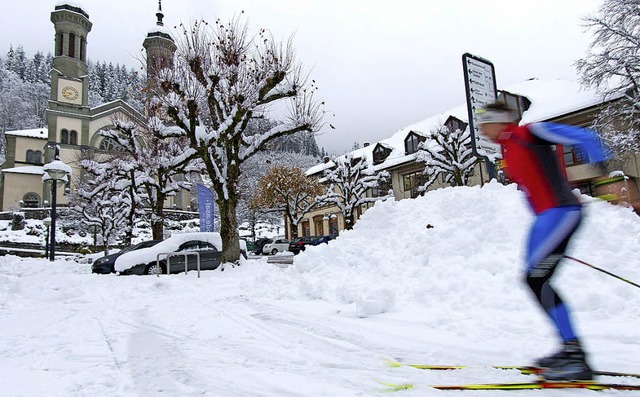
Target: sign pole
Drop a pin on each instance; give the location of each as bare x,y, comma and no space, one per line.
480,87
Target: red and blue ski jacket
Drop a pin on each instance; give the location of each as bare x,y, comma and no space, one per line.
532,163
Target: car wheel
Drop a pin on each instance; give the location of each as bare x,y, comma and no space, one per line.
274,251
155,270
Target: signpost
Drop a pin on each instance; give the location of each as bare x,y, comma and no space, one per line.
480,86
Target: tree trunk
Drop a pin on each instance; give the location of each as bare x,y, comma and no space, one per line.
229,227
348,221
157,224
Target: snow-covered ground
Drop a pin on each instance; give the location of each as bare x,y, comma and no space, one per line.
434,280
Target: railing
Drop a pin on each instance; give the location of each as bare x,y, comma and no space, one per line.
169,255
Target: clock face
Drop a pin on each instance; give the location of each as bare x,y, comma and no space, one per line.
70,93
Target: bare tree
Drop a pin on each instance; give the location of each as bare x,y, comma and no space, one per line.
612,66
348,184
448,154
223,78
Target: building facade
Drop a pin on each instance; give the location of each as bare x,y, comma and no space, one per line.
553,101
72,125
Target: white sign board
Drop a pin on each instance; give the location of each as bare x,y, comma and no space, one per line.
480,85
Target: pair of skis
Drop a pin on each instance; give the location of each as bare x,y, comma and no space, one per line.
526,370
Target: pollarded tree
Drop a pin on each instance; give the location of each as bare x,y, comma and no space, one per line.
447,153
612,66
288,190
222,79
348,184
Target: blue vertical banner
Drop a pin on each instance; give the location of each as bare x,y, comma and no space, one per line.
205,206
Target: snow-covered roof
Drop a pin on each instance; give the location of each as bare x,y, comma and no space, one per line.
27,169
41,133
150,254
549,99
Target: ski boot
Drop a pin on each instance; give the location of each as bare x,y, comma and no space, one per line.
568,364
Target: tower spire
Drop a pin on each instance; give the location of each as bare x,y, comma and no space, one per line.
159,14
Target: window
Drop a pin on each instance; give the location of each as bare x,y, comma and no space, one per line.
412,141
454,124
73,137
31,200
382,189
72,45
333,226
110,144
412,182
34,157
571,156
83,49
59,44
64,136
306,229
516,102
380,153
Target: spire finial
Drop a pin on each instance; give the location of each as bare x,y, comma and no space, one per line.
159,14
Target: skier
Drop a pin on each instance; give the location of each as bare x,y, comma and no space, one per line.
531,162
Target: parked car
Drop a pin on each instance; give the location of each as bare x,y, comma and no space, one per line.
143,261
278,245
322,240
248,243
105,265
259,244
299,243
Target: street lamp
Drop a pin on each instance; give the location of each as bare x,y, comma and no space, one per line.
55,171
47,222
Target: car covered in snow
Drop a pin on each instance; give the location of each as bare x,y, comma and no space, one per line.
105,265
144,261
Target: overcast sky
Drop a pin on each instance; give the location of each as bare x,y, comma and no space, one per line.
380,65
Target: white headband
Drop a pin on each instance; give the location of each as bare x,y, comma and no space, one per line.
495,116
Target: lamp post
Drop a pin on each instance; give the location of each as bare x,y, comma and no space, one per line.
47,222
55,171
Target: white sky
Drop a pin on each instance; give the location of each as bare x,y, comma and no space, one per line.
380,65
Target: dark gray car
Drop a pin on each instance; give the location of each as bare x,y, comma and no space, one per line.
105,265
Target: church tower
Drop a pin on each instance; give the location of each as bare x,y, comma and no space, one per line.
160,49
67,115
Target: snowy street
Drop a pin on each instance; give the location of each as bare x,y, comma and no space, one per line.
389,289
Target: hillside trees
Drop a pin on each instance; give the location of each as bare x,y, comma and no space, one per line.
612,65
348,183
222,79
448,154
287,190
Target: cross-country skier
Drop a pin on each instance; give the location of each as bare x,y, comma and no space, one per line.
531,162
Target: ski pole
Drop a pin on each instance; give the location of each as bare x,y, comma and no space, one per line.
601,270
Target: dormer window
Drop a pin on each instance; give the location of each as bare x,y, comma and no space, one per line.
412,141
380,153
453,124
516,102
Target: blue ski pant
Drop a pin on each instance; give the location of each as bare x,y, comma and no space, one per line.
548,239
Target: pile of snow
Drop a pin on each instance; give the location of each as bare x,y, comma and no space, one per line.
433,280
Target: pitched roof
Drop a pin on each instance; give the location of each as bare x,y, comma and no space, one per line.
549,99
41,133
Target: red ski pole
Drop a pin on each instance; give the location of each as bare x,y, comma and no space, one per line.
601,270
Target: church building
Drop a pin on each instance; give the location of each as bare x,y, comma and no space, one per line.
72,125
